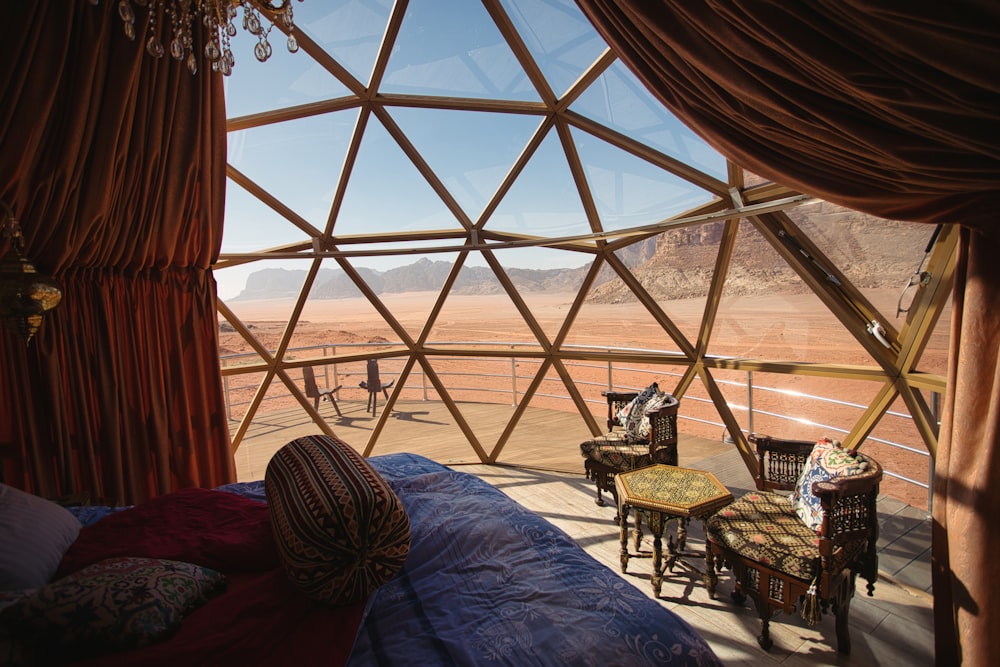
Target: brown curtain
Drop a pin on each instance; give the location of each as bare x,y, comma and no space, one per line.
891,108
114,162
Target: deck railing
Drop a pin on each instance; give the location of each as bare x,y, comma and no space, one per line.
505,379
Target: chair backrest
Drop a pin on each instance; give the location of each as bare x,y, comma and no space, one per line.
779,462
616,401
309,379
374,382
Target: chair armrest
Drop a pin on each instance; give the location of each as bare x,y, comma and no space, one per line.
849,531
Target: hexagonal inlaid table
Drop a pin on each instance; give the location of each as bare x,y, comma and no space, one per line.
666,493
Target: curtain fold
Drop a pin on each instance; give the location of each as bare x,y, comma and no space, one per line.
888,108
114,162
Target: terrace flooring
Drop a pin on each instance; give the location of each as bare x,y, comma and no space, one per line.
540,467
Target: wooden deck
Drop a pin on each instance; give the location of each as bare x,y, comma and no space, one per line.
541,468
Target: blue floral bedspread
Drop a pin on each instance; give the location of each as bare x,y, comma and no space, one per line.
488,582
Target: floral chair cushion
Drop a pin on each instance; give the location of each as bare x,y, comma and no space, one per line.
764,527
828,460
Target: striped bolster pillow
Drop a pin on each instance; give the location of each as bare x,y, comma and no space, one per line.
341,531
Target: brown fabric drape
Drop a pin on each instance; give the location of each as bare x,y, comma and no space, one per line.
114,162
890,108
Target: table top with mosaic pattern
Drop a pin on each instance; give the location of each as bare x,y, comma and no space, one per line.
673,490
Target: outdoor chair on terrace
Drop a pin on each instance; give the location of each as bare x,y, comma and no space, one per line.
808,547
314,392
642,430
374,385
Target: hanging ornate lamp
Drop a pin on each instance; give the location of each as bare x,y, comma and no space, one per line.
25,294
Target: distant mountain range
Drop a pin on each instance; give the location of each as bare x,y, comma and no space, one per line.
425,275
677,264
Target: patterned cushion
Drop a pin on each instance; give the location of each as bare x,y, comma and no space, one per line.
340,529
616,451
632,416
117,603
826,461
763,527
643,427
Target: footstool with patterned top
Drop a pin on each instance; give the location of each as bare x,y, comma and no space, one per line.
666,493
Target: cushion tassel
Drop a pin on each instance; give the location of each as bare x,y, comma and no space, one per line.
810,605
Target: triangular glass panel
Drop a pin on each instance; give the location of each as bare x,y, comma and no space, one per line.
284,80
420,421
935,356
409,291
613,319
676,268
896,444
548,281
549,411
768,312
458,52
338,319
878,256
480,150
544,200
560,38
349,30
479,312
250,225
630,192
298,161
386,193
787,406
617,99
267,297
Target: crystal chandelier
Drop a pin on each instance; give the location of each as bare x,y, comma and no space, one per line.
218,16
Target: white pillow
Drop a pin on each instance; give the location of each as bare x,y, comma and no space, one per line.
34,535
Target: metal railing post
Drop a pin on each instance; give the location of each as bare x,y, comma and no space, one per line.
749,401
513,379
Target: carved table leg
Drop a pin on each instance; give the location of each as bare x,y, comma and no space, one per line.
682,532
623,512
656,521
711,578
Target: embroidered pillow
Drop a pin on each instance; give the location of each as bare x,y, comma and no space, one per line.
630,416
341,530
826,461
35,533
643,428
115,604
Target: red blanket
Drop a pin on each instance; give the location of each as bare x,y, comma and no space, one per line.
259,620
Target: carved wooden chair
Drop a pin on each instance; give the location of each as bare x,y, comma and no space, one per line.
807,548
628,446
314,392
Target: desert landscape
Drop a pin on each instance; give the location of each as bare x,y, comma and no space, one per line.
780,327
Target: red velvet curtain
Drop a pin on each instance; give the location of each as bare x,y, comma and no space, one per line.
891,108
114,162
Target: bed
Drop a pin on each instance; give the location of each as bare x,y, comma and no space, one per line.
485,581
